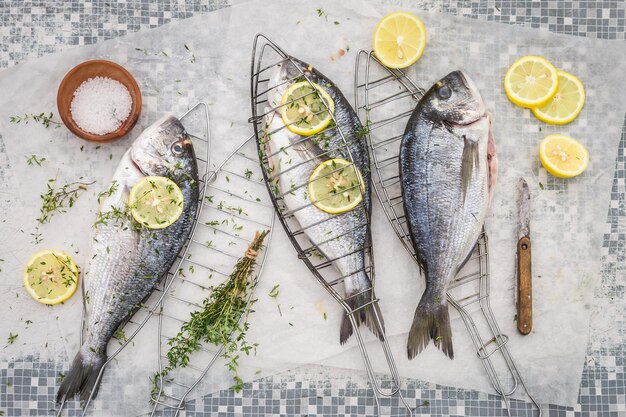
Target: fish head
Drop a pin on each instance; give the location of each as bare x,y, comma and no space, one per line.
165,149
291,70
454,99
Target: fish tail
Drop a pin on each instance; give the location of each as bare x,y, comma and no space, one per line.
82,376
431,321
370,315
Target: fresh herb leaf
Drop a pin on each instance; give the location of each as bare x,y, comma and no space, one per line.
35,160
274,291
44,119
223,320
12,338
57,200
322,13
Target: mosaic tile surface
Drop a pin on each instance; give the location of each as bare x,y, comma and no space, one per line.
29,29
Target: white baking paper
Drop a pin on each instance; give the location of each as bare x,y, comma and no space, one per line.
568,217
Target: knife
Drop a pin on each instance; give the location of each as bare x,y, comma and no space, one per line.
524,270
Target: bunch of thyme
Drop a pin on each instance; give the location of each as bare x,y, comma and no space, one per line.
219,322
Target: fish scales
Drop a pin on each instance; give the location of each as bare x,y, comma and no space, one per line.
128,260
292,159
447,168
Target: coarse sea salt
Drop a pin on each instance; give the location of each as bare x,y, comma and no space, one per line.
100,105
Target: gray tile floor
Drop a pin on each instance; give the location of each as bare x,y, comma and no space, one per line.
29,29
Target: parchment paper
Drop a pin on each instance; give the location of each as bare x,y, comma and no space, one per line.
568,217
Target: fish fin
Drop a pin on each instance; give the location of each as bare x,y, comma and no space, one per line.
367,315
431,321
81,378
469,162
310,148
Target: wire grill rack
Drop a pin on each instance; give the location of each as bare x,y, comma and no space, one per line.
384,100
266,56
199,265
233,212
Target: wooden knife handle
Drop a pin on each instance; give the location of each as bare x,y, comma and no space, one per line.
524,287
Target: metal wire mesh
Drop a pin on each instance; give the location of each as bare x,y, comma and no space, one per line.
266,57
379,88
181,290
232,213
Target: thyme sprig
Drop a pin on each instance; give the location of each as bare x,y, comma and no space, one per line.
219,322
44,119
57,200
35,160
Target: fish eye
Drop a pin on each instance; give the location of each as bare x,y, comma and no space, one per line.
177,148
444,92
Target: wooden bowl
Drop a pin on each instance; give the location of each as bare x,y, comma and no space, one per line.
91,69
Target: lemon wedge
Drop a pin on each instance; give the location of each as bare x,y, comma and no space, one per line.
566,104
399,40
51,277
335,186
562,156
156,202
531,81
305,108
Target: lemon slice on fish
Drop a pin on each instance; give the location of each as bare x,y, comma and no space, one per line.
156,202
51,277
531,81
335,186
566,104
399,40
304,108
562,156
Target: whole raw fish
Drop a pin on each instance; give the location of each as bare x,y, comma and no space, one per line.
292,158
448,171
129,260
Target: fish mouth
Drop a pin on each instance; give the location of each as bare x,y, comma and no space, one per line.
471,86
469,83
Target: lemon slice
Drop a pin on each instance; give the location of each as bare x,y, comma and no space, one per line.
335,186
156,202
399,40
566,104
562,156
51,277
304,109
531,81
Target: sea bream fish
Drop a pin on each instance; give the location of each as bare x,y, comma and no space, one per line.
128,260
341,238
448,173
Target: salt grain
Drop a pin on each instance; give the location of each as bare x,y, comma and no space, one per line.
100,105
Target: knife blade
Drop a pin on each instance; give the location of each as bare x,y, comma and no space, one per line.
524,269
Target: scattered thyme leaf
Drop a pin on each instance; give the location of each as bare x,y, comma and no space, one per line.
35,160
12,338
44,119
274,291
322,13
192,59
120,336
57,200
